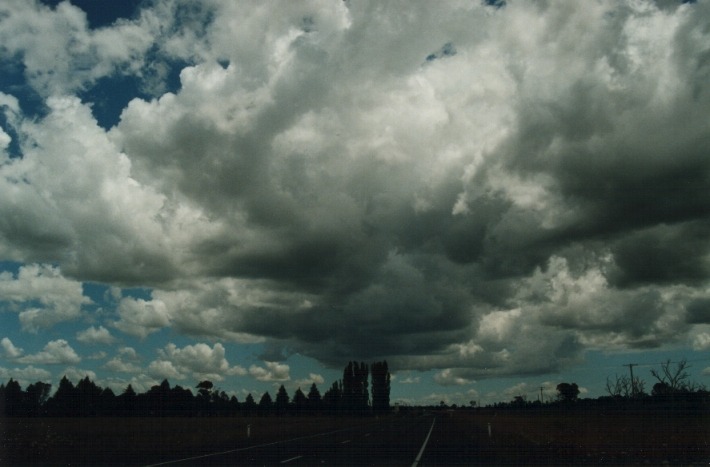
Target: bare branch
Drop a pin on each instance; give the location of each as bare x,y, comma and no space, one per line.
675,378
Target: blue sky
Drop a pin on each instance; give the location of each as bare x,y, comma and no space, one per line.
492,196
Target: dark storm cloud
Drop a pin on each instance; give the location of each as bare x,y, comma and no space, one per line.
663,254
699,311
400,302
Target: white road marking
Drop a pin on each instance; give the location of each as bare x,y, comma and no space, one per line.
175,461
426,440
346,441
291,459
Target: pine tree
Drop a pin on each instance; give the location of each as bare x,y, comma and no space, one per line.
13,399
233,406
314,399
65,401
281,401
129,392
107,402
127,401
300,402
249,405
266,404
88,394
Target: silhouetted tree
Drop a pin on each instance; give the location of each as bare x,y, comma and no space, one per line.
204,397
567,392
13,399
88,394
266,405
314,399
519,401
181,401
623,387
673,380
662,389
300,402
333,397
281,404
221,400
127,402
107,402
65,401
355,394
129,392
156,399
36,396
233,406
249,405
380,387
204,389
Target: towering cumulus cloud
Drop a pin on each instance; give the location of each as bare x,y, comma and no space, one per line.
488,188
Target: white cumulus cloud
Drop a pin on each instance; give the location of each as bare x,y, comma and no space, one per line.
273,372
10,350
42,296
56,352
95,335
199,360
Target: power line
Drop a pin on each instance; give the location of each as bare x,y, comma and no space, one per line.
670,361
601,367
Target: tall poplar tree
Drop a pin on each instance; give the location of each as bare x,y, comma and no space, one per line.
355,394
380,387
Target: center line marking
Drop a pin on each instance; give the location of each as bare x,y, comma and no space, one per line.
346,441
426,440
291,459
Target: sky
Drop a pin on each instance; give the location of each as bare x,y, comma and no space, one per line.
493,196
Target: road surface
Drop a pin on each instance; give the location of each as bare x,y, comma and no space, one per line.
429,440
392,441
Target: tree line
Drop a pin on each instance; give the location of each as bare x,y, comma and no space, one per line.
672,389
348,396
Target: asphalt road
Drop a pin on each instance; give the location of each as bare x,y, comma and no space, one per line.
428,440
391,442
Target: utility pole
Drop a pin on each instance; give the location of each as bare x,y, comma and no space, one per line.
541,401
633,382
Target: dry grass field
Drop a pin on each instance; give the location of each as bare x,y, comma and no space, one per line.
595,438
